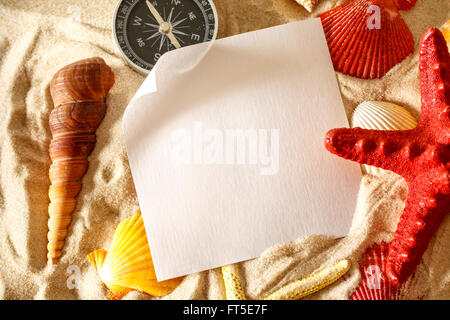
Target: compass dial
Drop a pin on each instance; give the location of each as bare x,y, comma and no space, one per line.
146,29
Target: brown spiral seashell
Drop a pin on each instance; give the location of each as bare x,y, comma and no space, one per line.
78,91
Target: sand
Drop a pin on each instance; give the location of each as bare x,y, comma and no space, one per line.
39,37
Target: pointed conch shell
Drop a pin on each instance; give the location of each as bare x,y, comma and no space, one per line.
128,265
308,4
78,91
381,115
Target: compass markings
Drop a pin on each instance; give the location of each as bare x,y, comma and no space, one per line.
176,16
170,15
162,41
151,25
159,35
178,22
141,23
152,36
179,32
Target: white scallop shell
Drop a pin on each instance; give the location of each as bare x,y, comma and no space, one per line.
381,115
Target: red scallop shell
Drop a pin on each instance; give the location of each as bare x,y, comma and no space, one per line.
375,284
366,38
404,4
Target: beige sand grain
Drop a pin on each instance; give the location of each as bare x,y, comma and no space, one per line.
39,37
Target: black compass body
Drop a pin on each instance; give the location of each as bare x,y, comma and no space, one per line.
146,29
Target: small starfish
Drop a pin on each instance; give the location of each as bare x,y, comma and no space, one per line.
233,287
312,283
292,291
421,156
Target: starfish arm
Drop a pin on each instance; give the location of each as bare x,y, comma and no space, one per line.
425,209
389,150
435,85
312,283
232,281
420,155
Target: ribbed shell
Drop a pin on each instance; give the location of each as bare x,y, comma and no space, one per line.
78,91
84,80
404,4
381,115
364,52
375,284
308,4
128,265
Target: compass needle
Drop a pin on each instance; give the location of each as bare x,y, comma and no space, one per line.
179,32
178,22
151,25
176,16
154,12
152,18
158,34
152,36
170,15
174,40
144,30
163,37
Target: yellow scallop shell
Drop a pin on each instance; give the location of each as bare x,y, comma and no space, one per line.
128,265
446,31
381,115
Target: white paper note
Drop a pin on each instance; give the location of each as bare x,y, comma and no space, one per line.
228,156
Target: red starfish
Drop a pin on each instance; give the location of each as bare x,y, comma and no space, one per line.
420,155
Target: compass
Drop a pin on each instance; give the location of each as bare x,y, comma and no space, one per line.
146,29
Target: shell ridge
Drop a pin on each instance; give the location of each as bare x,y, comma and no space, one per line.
128,265
343,40
67,86
118,266
341,29
97,258
122,234
364,52
357,51
130,241
387,123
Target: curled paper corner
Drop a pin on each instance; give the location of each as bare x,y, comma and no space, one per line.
196,60
175,64
181,67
